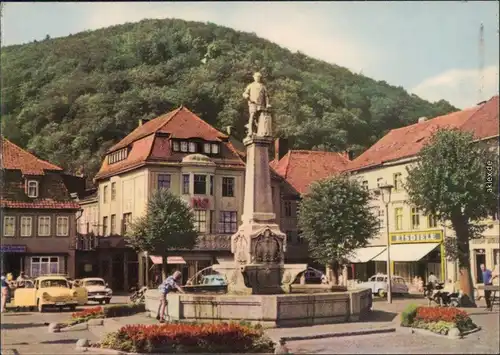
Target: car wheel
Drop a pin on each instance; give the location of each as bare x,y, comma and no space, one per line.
101,301
454,303
381,293
108,301
72,308
40,307
31,309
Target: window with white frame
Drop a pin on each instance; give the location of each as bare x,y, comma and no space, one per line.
43,265
184,147
215,148
380,182
163,181
32,188
9,226
62,229
200,220
175,146
206,148
192,147
381,219
44,226
26,226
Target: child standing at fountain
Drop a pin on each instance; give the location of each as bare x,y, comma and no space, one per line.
169,284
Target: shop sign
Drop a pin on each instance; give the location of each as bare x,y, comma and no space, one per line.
416,237
201,203
7,248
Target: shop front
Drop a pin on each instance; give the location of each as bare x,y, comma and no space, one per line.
363,265
415,254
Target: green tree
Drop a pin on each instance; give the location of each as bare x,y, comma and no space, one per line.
456,179
167,225
335,218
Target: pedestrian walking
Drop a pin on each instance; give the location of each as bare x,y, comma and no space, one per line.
169,284
5,292
488,281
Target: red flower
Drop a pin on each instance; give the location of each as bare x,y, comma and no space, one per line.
436,314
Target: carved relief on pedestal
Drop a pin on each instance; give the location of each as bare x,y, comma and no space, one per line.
287,278
267,248
239,248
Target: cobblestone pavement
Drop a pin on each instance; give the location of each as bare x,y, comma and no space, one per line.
486,341
26,332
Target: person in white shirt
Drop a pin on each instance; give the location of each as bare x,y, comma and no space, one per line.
432,279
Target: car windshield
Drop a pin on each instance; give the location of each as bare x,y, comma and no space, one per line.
54,283
94,283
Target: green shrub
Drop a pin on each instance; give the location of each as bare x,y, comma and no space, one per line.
441,327
408,315
123,310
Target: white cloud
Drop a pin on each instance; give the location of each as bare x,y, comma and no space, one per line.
460,86
295,26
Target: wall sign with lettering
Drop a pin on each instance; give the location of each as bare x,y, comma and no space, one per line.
417,237
201,203
6,248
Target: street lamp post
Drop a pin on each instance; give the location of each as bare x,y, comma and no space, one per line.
386,190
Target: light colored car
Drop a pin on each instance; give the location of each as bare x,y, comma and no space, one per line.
213,280
50,291
98,290
378,285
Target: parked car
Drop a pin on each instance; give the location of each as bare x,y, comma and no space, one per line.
378,285
213,280
98,290
50,291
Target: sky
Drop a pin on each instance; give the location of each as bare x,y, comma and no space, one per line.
430,48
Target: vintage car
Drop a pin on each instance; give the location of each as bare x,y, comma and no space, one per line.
50,291
97,289
378,285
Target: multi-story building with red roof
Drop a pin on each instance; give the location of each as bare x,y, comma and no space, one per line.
38,215
417,240
183,153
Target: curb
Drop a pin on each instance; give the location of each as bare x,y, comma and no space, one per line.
471,331
341,334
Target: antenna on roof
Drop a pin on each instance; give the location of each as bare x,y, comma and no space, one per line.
481,62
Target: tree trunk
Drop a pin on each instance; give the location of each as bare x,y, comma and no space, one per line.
466,285
164,267
332,273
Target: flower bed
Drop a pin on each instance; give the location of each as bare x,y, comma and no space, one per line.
189,338
436,319
105,312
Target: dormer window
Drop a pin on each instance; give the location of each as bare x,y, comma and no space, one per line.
117,156
32,188
192,147
215,148
206,148
175,146
184,147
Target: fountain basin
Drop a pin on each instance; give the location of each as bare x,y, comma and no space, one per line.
268,310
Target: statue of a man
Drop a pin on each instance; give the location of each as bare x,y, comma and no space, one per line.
258,100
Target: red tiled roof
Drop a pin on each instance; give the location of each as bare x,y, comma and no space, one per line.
151,142
15,158
407,141
40,204
180,123
300,168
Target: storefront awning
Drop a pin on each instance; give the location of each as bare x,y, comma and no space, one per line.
407,252
225,259
170,259
363,255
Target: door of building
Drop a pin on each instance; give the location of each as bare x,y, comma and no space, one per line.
480,258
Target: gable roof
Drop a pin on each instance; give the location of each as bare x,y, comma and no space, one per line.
300,168
180,123
150,143
15,158
407,141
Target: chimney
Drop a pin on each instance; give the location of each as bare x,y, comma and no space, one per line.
280,148
229,130
142,121
422,119
346,155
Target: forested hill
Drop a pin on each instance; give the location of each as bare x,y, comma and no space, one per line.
69,99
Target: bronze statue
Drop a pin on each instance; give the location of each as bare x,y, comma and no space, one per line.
258,101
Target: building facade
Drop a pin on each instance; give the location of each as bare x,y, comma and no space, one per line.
38,215
184,154
416,239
